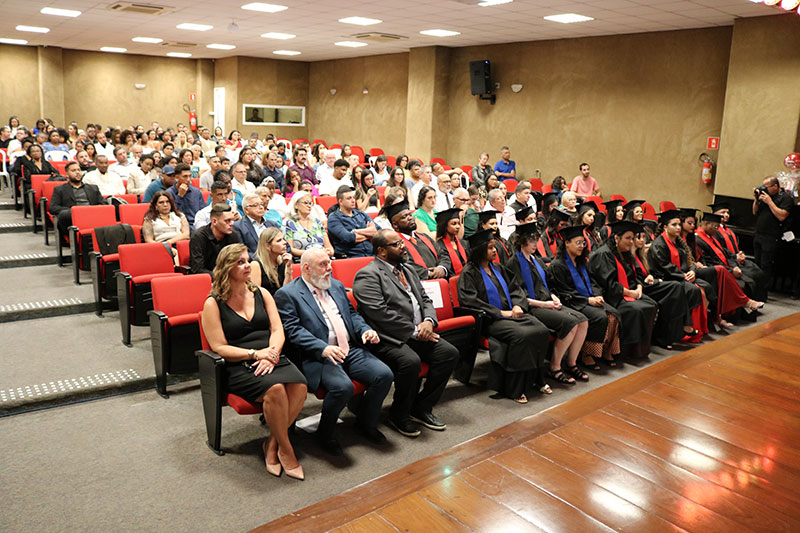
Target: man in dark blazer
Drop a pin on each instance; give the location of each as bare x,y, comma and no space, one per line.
72,193
320,321
391,297
253,222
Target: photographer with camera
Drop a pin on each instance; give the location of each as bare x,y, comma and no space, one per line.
771,208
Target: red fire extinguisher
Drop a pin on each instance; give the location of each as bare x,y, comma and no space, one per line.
708,166
192,117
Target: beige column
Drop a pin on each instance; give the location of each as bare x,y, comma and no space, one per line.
427,112
51,84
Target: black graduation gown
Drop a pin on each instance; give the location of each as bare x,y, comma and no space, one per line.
441,250
426,248
637,316
661,267
517,346
593,239
710,258
560,282
504,249
749,268
544,248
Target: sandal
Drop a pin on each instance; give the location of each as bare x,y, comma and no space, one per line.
545,389
593,366
576,372
561,377
608,362
521,399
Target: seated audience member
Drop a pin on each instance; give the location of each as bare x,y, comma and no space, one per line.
569,276
103,147
320,321
291,183
220,192
506,221
74,192
727,238
397,178
5,137
242,324
474,208
163,183
188,199
401,161
518,342
350,229
550,240
248,158
270,169
461,201
424,258
425,213
54,143
394,195
207,143
271,267
523,197
109,183
569,327
380,171
123,166
569,203
559,186
234,140
482,171
85,162
253,223
622,290
207,177
300,156
324,172
587,217
549,202
35,163
140,178
615,213
301,229
488,220
391,298
367,195
505,168
584,185
444,198
240,182
414,177
277,209
164,223
449,230
331,183
425,174
206,242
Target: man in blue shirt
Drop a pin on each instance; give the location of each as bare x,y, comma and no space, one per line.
163,183
188,200
350,230
505,168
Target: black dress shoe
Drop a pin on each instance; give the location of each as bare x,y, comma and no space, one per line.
429,420
406,427
330,444
372,434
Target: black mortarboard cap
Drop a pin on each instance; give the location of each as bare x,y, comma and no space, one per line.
571,232
632,204
624,226
560,215
394,209
716,206
585,206
666,216
447,214
712,217
524,213
486,216
531,228
480,238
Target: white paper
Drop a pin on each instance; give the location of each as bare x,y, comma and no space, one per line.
788,236
434,293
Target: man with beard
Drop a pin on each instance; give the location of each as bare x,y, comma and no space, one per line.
426,261
74,192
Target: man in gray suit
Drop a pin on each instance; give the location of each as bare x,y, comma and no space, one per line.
392,300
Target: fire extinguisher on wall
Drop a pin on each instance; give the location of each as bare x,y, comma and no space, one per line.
708,167
192,117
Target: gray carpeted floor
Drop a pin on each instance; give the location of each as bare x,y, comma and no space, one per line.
137,462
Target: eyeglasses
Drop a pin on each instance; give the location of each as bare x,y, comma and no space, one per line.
306,203
256,205
395,244
580,243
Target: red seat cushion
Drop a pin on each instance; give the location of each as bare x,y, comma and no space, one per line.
182,320
242,406
423,369
147,277
455,322
110,257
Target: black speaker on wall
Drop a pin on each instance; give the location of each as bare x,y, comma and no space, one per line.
480,77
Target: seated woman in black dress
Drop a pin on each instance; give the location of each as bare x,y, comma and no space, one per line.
518,357
242,325
272,267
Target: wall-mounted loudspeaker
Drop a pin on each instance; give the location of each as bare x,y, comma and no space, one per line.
480,77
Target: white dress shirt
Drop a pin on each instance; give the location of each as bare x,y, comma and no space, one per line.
110,184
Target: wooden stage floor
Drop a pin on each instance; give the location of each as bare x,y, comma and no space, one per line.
707,440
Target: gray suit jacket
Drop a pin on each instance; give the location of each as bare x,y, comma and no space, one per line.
386,306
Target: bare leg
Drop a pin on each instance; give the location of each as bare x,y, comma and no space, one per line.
577,342
296,392
276,408
560,347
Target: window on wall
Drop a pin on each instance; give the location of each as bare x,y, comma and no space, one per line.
273,115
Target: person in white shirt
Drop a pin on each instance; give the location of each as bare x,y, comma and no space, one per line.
239,182
140,178
207,144
103,147
198,160
506,219
273,200
207,177
109,183
325,170
336,180
424,180
444,198
123,167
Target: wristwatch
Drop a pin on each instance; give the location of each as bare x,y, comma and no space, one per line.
251,354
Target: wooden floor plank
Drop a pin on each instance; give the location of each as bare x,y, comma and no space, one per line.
371,523
643,493
473,508
534,505
415,513
606,507
777,343
783,367
745,373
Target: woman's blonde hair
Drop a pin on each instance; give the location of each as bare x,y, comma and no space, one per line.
263,255
226,260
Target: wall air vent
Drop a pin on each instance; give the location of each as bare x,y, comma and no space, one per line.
377,37
177,44
138,9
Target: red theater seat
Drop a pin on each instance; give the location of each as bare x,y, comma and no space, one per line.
345,270
326,202
649,211
357,150
666,205
34,197
81,234
511,184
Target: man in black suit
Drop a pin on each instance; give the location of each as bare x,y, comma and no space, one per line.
253,223
72,193
392,300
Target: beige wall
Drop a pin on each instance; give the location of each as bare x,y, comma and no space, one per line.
19,84
762,105
377,119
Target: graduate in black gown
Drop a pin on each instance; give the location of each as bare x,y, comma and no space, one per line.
549,240
570,277
448,243
615,213
727,239
488,220
617,279
421,249
568,326
634,212
518,342
525,215
549,201
587,217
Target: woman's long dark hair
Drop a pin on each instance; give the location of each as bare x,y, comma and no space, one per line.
477,254
423,192
152,211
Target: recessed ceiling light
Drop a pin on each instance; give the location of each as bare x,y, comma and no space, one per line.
60,12
286,52
178,54
263,7
33,29
7,40
568,18
149,40
350,44
487,3
440,33
194,27
278,35
114,49
221,46
360,21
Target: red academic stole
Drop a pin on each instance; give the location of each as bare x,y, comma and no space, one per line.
500,242
455,258
588,238
731,243
674,258
551,243
713,244
413,251
622,277
641,265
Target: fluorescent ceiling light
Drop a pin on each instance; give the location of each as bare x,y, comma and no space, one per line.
568,18
360,21
60,12
149,40
286,52
114,49
7,40
178,54
350,44
488,3
278,35
221,46
195,27
263,7
33,29
440,33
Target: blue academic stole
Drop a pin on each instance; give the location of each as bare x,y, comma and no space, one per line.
581,280
491,290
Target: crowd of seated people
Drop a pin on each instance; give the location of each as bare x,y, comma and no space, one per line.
599,284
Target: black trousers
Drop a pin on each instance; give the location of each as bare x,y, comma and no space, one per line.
405,361
765,249
64,221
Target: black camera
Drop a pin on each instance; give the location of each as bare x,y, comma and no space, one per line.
758,190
